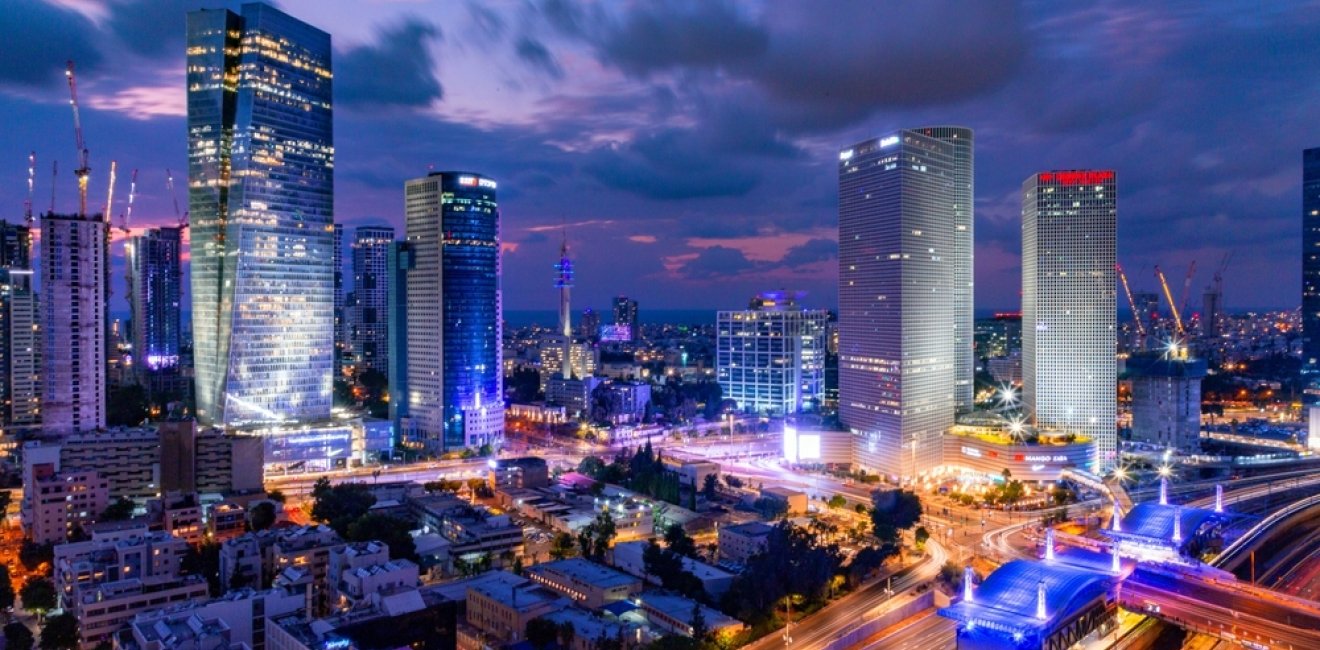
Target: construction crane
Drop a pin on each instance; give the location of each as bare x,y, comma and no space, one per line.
54,173
83,170
110,196
1136,317
32,183
182,218
1187,287
1219,272
127,216
1168,295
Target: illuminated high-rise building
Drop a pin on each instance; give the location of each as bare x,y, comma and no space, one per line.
368,321
451,384
73,270
20,333
155,299
1311,259
1069,288
343,344
261,195
770,358
897,319
625,313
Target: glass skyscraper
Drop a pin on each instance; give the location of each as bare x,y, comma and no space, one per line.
261,173
1069,287
1311,259
448,282
771,358
368,313
20,333
155,298
897,271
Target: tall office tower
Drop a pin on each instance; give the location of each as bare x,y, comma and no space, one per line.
771,358
453,379
625,313
1212,306
20,342
369,314
590,327
155,300
1311,259
1069,287
73,268
261,179
342,347
897,271
400,262
964,223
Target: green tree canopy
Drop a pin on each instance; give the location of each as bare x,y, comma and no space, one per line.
60,632
38,595
394,532
120,510
340,505
18,637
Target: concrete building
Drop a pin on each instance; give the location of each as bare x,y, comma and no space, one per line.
898,267
1068,306
795,502
673,614
74,281
771,358
626,315
368,320
225,520
581,359
527,472
179,515
739,542
450,387
242,615
263,354
257,558
572,394
982,445
628,557
1311,259
54,505
1166,399
589,584
471,531
499,609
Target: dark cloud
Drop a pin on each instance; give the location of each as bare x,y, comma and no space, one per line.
157,27
716,262
696,33
815,250
536,55
40,39
488,22
397,71
670,165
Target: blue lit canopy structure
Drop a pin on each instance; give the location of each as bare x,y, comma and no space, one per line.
1008,610
1151,526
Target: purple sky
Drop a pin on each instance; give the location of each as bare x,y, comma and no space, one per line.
692,146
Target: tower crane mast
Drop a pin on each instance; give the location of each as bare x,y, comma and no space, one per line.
83,170
32,183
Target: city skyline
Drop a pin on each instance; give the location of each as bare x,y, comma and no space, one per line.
687,204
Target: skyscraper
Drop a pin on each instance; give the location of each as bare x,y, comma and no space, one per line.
897,271
1068,305
625,313
20,341
155,299
369,314
964,222
1311,259
261,181
452,381
73,268
771,358
342,344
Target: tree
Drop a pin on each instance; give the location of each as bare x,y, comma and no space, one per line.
678,541
127,406
38,595
340,505
592,466
6,589
710,486
120,510
921,535
204,561
541,633
262,516
562,547
770,507
567,634
595,537
33,555
733,481
892,511
18,637
5,497
276,496
837,501
60,633
394,532
698,622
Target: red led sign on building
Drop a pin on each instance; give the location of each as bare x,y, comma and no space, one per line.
1076,178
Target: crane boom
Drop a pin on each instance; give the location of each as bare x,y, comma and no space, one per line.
110,193
1187,287
128,212
82,171
182,217
1168,295
1136,317
32,183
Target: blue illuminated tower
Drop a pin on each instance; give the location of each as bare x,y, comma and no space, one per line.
155,298
261,195
564,282
451,382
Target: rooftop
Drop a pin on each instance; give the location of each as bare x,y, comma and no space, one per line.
750,529
582,570
1154,521
1007,600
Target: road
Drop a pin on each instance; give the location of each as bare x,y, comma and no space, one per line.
929,631
1243,618
841,616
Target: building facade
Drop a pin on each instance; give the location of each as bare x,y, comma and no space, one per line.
897,271
73,288
155,299
625,313
771,358
261,198
342,343
20,333
1166,399
1068,305
452,381
369,313
1311,258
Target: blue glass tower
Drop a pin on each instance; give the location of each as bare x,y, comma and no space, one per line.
1311,259
155,298
450,330
261,172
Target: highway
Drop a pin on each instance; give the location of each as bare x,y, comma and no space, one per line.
929,631
1268,623
841,616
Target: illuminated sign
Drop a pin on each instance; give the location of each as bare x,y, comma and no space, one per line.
790,444
845,155
615,333
1043,459
473,180
970,451
889,141
1077,178
808,447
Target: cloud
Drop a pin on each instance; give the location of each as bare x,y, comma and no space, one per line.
716,262
144,102
643,239
397,71
816,250
40,39
697,33
669,165
156,28
535,54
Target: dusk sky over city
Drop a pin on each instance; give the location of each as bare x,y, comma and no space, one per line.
692,150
